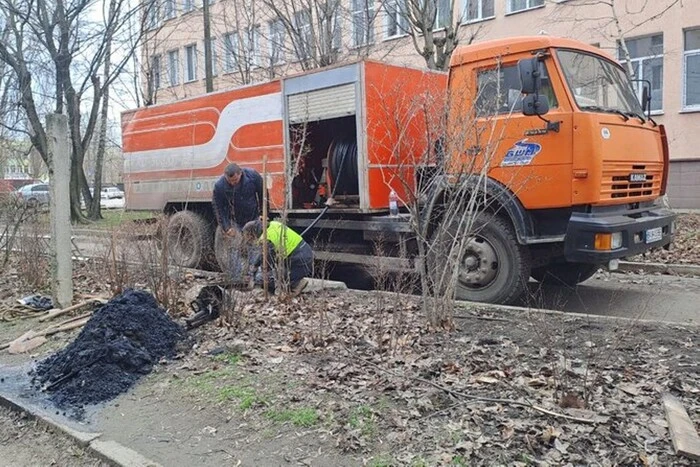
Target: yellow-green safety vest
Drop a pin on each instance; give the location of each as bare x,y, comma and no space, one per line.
283,240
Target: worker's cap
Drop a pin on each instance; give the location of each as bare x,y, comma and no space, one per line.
253,228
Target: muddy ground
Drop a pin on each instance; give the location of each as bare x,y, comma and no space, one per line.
359,378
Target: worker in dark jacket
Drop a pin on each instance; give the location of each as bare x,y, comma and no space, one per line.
237,198
288,251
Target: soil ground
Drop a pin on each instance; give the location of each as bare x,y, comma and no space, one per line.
24,442
359,378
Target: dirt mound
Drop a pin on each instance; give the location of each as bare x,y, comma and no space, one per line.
119,344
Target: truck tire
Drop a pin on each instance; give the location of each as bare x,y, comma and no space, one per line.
494,267
189,239
568,274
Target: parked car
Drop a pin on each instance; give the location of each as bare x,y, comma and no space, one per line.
112,192
34,195
9,185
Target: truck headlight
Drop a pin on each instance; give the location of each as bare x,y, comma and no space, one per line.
608,241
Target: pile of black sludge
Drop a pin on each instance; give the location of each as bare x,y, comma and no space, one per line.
119,344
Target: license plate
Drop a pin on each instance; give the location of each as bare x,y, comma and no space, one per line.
654,235
638,177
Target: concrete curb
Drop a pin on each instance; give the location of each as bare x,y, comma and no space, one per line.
111,452
477,306
661,268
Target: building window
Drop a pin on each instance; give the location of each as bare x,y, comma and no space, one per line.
169,9
252,46
304,39
231,42
174,67
152,15
187,6
155,71
362,22
691,70
330,29
190,63
443,13
646,56
396,21
476,10
214,56
521,5
276,41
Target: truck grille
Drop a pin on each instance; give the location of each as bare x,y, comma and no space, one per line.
616,184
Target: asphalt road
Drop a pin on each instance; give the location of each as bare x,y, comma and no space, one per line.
652,297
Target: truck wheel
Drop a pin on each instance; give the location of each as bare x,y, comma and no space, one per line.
493,268
568,274
189,239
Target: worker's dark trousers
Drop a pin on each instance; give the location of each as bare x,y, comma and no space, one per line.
301,264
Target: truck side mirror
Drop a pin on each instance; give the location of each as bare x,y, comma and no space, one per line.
535,104
530,75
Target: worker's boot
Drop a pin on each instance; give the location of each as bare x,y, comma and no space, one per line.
300,286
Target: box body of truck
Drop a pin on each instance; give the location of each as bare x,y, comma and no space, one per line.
174,153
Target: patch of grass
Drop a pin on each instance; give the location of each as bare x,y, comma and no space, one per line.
229,357
459,461
304,416
112,218
362,418
419,462
381,461
247,397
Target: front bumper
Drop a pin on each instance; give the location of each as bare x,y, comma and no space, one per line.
580,235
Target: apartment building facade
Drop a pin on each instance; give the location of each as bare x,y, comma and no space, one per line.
257,40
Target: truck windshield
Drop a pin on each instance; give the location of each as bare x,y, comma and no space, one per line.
599,85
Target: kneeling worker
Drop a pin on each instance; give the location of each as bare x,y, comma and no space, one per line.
288,246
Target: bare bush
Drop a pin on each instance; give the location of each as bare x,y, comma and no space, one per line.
32,264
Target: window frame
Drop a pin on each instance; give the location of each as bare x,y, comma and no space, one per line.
640,67
365,12
232,43
169,13
170,67
251,45
214,56
277,38
392,11
186,77
686,54
529,6
304,34
480,8
152,15
188,6
156,72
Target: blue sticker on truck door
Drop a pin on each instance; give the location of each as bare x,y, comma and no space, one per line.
521,153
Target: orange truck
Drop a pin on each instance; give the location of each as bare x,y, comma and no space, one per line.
574,182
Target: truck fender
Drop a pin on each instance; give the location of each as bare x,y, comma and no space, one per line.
497,198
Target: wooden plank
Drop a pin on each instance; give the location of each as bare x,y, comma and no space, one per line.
685,439
92,302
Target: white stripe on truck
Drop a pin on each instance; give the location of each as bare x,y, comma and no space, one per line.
235,115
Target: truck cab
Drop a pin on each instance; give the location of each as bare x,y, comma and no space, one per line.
569,151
